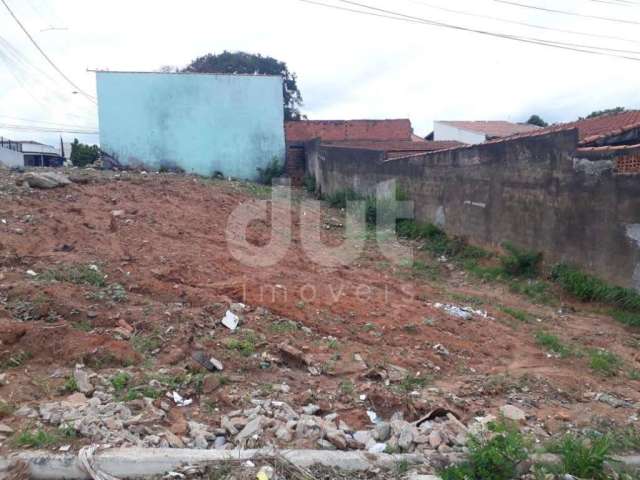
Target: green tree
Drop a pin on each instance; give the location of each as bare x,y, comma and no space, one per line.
83,155
537,120
249,63
606,111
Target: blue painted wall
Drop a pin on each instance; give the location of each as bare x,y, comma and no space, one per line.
201,123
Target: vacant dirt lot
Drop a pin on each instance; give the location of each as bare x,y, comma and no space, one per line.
130,274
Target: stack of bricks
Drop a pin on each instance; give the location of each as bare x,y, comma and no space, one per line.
628,163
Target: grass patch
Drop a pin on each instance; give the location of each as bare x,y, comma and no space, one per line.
34,439
491,457
628,318
16,360
113,292
274,169
246,345
438,242
70,386
284,326
309,183
120,381
553,344
519,262
537,291
520,315
588,288
78,273
146,344
346,387
141,391
604,362
411,383
583,457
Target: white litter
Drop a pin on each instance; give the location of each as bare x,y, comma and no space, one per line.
180,400
31,273
465,313
373,416
231,320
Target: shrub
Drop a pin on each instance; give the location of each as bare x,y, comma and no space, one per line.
437,241
584,458
36,438
120,381
519,262
274,169
309,183
552,343
83,155
592,289
491,457
339,198
604,362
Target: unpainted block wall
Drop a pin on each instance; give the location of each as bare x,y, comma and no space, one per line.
531,191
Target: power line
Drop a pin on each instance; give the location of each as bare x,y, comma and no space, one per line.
564,12
44,122
35,128
55,67
524,24
411,19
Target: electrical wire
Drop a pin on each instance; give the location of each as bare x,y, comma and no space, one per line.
564,12
524,24
418,20
44,122
35,128
55,67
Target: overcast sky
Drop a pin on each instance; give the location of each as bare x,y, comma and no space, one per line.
348,65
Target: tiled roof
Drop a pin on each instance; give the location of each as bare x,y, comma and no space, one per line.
592,129
493,128
397,145
336,130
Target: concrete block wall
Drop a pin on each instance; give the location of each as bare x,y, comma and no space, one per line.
532,191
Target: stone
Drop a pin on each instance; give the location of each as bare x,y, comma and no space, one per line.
220,442
210,384
344,427
284,434
512,412
311,409
382,432
82,381
4,380
173,440
45,180
377,448
337,439
5,429
325,444
405,439
254,427
435,439
363,436
228,426
292,355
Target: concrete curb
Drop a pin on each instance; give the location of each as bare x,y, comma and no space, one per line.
130,462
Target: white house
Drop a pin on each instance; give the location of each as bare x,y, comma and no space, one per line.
478,131
28,154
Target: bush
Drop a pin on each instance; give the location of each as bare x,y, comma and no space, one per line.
520,263
339,198
491,457
584,458
274,169
309,183
83,155
604,362
592,289
438,242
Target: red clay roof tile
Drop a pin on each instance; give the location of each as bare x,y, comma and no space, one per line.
494,128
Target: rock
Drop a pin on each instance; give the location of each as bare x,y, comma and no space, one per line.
266,473
77,400
219,442
435,439
325,444
228,426
284,434
611,400
512,412
45,180
252,428
292,355
173,440
377,448
210,384
82,381
337,438
311,409
4,380
363,436
5,429
405,439
217,364
382,432
344,427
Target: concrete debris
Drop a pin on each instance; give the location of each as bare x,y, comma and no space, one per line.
465,313
45,180
613,401
511,412
82,381
204,360
180,400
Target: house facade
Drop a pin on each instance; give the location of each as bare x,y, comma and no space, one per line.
28,154
198,123
474,132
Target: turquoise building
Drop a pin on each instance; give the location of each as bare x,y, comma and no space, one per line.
201,123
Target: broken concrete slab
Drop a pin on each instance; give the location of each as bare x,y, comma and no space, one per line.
45,180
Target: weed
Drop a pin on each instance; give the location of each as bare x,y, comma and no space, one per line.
246,346
77,273
517,314
6,409
333,344
146,344
346,387
34,439
626,317
583,458
16,360
120,381
411,383
274,169
284,326
592,289
437,241
339,198
553,344
423,269
467,299
634,374
309,183
519,262
493,456
83,325
536,290
401,468
70,385
142,391
67,431
113,292
604,362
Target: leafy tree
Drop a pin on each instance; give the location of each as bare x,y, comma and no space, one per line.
83,155
606,111
537,120
249,63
